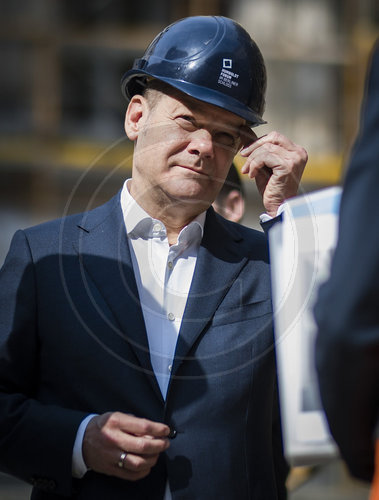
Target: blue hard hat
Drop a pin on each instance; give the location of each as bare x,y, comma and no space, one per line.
210,58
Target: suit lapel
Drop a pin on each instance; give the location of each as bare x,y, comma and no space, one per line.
219,262
104,254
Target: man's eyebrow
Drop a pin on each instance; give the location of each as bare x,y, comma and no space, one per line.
197,106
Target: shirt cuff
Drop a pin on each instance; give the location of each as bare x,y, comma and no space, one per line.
79,467
265,217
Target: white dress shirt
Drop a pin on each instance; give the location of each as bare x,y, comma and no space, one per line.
163,274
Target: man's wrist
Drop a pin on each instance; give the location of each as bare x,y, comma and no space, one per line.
266,217
79,467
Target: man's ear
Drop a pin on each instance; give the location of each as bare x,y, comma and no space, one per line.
135,116
234,206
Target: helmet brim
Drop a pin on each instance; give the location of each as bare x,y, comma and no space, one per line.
204,94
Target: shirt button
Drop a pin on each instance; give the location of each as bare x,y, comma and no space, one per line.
171,316
169,368
157,227
170,264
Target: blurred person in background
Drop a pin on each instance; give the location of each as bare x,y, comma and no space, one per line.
136,343
347,311
230,202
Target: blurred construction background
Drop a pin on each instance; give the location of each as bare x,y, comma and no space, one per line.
62,145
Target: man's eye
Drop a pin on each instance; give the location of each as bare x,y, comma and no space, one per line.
186,122
226,139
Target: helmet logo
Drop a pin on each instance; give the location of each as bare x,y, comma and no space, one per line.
228,78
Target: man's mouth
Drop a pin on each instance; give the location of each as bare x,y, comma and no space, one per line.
194,170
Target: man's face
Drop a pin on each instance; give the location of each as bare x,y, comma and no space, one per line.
183,150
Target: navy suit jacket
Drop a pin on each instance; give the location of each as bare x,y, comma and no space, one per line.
73,342
347,311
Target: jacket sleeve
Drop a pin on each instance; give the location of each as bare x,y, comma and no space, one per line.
36,439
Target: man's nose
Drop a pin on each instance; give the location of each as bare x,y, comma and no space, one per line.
202,143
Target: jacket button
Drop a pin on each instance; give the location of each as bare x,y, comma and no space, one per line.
172,434
43,483
51,485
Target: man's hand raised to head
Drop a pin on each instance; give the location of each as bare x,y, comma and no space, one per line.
276,164
118,444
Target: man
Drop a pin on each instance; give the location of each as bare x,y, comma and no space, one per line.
230,201
136,339
347,349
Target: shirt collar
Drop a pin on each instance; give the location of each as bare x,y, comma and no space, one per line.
139,224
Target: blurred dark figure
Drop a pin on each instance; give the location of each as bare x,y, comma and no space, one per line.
347,311
230,202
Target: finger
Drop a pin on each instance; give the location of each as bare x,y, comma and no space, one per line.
132,467
138,463
142,445
272,138
141,426
265,157
103,439
250,169
262,178
274,157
